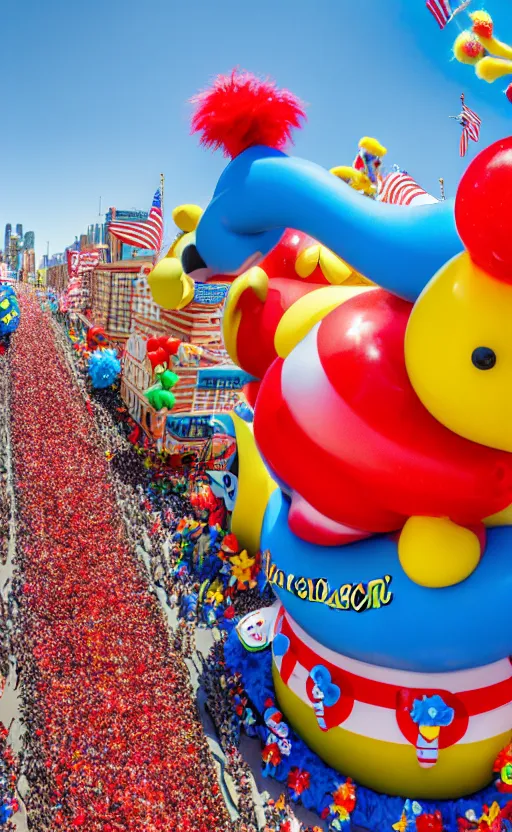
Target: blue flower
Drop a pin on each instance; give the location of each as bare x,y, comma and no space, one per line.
322,679
432,711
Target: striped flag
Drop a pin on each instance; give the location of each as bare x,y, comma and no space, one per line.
470,127
398,188
441,11
147,234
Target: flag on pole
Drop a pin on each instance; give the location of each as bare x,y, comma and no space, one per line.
147,234
441,10
398,188
470,123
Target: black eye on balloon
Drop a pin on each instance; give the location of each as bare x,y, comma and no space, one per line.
483,358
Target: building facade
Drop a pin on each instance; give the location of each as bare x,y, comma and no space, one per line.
209,384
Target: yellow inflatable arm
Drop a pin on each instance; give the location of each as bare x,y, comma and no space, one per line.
255,486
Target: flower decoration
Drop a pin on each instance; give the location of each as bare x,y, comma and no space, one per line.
298,782
241,569
503,767
321,677
432,711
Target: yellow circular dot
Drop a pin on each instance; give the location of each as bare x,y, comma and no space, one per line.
435,552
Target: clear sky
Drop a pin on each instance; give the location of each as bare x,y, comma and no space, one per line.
94,95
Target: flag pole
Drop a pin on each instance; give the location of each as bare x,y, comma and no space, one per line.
162,180
441,186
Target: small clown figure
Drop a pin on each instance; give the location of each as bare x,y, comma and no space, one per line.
322,693
430,714
364,173
368,161
277,744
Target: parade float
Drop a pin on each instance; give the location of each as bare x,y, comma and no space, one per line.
383,417
9,312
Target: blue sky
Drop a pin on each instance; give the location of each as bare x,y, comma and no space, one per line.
95,95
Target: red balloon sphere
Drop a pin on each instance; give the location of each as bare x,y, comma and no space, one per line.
152,344
172,345
508,93
158,357
482,209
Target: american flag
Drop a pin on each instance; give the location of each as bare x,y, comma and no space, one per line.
398,188
442,12
470,127
147,234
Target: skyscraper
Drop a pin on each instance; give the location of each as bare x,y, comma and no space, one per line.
29,241
19,231
7,239
13,255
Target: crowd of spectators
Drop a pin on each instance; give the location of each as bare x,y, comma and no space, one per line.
114,740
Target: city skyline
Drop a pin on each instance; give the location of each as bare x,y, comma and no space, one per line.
19,250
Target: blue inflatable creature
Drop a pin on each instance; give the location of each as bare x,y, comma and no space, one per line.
104,368
9,311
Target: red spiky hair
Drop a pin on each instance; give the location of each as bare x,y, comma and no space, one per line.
241,111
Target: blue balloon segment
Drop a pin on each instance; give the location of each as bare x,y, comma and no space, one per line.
424,630
263,191
104,368
9,310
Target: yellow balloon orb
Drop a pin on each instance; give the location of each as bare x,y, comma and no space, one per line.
165,283
435,552
458,352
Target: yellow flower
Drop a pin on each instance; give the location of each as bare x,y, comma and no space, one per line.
491,817
402,824
241,566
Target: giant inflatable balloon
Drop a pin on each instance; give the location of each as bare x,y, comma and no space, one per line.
385,420
297,257
9,310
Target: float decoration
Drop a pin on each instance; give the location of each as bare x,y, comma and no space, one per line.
104,368
428,503
240,111
170,286
503,767
256,629
299,781
364,175
9,310
339,812
277,744
430,713
160,352
96,338
478,47
160,396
